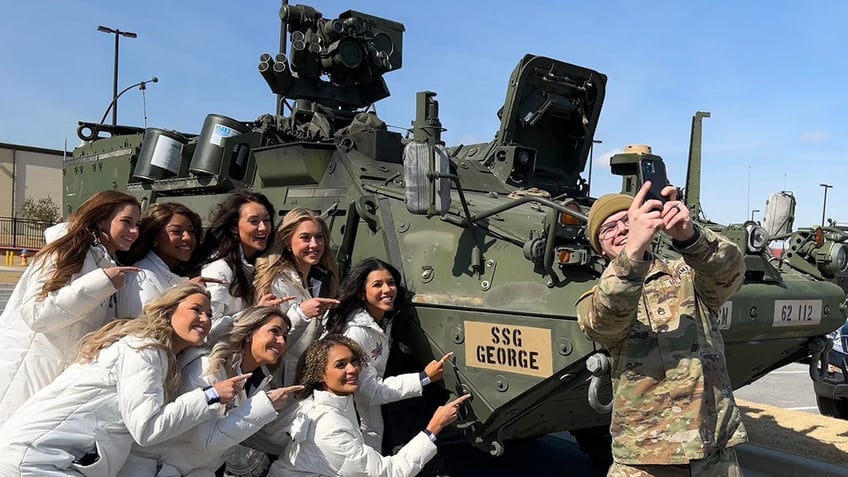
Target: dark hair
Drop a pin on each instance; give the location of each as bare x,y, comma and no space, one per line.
220,242
313,363
152,221
352,290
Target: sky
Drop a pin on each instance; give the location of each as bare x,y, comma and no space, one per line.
771,74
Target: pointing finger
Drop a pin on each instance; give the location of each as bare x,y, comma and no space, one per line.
329,301
212,280
129,269
240,377
458,401
291,389
446,357
287,298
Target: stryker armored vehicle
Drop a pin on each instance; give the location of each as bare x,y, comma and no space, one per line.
489,237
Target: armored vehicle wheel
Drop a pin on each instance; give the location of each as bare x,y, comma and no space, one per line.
595,442
832,407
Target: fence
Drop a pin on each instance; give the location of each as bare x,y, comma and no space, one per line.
21,233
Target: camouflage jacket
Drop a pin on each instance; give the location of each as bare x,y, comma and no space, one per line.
672,398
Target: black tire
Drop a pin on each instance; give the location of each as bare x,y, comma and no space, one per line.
837,408
596,443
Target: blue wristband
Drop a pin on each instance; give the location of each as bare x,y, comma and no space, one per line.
425,380
430,435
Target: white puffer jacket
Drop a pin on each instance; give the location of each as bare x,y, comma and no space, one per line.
223,303
148,284
40,335
304,330
362,329
326,441
200,451
99,407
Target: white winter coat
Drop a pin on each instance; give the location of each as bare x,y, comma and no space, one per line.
304,330
362,329
39,336
148,284
326,441
101,406
200,451
223,303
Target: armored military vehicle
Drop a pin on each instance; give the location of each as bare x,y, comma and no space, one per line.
489,237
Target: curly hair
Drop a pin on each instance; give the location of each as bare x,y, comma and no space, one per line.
313,364
154,219
220,242
68,252
154,324
227,353
352,293
279,256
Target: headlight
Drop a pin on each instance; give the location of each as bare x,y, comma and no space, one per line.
836,337
757,237
839,257
832,259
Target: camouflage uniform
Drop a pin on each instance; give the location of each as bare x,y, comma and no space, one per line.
673,402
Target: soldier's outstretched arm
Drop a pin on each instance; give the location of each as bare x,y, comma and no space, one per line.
608,311
719,267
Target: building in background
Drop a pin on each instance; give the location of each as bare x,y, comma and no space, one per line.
27,171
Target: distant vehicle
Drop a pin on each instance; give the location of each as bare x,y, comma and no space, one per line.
490,237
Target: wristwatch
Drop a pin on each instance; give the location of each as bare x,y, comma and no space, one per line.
212,396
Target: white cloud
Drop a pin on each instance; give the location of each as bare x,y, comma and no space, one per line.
815,136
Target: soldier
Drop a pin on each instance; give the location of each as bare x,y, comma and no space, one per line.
673,408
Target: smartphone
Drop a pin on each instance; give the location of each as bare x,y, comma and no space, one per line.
653,169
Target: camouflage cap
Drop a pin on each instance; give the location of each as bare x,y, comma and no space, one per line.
602,208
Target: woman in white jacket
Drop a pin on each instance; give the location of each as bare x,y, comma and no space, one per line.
118,391
370,299
326,440
165,253
68,291
241,230
255,342
299,264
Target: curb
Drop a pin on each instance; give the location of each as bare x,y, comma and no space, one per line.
756,461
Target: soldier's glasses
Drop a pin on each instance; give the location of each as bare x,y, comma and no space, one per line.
610,229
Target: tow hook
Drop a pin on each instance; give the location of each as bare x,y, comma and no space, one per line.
598,364
819,347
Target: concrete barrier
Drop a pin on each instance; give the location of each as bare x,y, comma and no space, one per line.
759,461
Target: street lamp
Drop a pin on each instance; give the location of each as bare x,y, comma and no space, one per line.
752,213
142,85
824,205
118,34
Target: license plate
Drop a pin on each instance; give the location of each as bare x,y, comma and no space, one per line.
797,312
725,313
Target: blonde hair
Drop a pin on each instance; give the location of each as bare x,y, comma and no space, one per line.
228,351
270,266
69,251
313,364
154,324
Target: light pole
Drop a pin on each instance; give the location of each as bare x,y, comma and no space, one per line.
824,205
142,85
591,160
753,211
118,34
